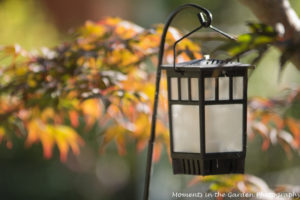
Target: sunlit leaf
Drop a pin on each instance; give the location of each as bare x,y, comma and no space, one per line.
2,133
65,138
49,135
74,118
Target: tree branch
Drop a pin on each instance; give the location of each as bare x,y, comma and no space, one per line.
274,13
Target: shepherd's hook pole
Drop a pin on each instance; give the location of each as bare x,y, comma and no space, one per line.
157,86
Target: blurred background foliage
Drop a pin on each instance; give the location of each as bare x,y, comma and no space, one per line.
26,174
27,24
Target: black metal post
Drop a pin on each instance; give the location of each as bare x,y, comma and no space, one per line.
157,87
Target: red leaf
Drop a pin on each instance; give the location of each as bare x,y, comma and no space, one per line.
265,145
157,151
141,145
219,198
9,145
74,118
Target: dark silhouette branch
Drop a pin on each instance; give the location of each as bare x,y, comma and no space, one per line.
279,13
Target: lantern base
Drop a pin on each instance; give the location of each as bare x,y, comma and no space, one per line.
208,166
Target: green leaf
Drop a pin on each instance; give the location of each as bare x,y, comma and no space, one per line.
262,29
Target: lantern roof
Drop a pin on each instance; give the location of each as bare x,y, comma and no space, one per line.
204,64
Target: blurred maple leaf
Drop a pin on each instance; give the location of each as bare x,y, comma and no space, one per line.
237,185
276,120
105,76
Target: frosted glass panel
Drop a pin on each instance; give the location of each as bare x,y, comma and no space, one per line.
210,88
184,89
223,88
224,128
174,88
186,131
237,83
195,89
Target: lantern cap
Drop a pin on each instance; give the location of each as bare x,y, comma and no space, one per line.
205,64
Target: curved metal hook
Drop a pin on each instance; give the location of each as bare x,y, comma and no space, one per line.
207,23
175,44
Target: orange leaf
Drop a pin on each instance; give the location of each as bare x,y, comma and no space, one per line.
74,118
278,121
47,140
65,137
112,21
265,145
161,129
92,110
157,151
91,107
48,113
265,119
112,132
142,125
295,129
2,134
141,145
120,141
93,29
195,180
35,128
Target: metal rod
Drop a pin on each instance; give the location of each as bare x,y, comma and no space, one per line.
222,32
157,87
175,44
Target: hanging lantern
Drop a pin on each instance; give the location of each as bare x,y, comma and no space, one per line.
208,116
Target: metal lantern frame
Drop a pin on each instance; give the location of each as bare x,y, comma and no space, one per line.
204,163
199,163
